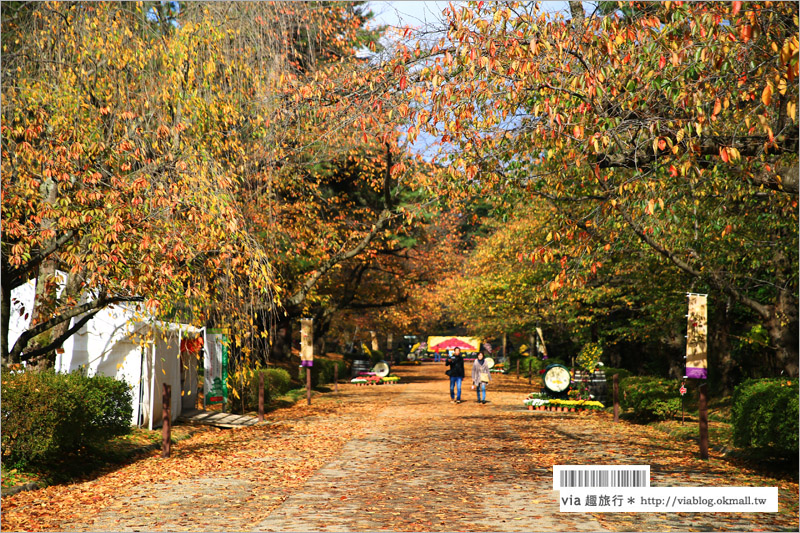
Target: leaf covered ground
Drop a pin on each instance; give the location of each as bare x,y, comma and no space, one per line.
396,458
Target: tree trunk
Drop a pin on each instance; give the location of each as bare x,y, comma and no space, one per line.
782,327
5,317
720,348
576,11
282,344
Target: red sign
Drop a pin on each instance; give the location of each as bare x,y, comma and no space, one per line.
683,390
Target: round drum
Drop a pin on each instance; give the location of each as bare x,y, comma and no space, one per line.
556,378
489,362
381,369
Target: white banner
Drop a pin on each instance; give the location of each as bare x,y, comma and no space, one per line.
215,377
670,500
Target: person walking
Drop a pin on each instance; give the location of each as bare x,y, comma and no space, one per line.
456,373
436,357
480,377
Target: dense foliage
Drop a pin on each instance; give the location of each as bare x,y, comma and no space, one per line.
47,415
650,398
765,415
277,382
638,153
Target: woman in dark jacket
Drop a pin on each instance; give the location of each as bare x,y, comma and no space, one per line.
456,373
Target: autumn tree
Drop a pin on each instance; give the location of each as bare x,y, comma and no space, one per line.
673,125
114,171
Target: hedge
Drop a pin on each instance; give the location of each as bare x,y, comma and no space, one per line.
610,371
277,382
764,415
46,415
323,370
650,398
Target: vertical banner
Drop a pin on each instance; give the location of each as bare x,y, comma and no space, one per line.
542,347
306,342
215,379
389,342
697,332
374,336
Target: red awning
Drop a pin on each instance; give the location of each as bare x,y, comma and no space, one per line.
453,343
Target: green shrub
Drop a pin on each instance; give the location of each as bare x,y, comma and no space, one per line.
764,414
277,382
525,364
46,415
650,398
323,371
611,371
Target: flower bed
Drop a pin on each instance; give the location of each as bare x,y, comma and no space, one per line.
539,401
390,380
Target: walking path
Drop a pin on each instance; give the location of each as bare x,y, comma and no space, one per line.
397,458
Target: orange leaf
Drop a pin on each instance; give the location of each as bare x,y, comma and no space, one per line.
766,96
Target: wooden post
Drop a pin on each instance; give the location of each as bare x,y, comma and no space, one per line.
517,368
336,377
530,371
703,412
616,397
505,354
166,420
260,396
308,385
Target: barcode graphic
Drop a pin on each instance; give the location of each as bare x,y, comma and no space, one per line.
592,476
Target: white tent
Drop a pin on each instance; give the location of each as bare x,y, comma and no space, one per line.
145,353
120,343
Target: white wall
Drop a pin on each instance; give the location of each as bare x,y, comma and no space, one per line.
21,310
167,361
22,300
118,344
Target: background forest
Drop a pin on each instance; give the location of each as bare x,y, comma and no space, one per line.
247,164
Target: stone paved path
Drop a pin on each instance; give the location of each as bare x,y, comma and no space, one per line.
400,458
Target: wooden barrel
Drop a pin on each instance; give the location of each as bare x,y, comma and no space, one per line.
361,365
596,382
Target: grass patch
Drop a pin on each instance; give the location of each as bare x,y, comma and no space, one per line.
85,463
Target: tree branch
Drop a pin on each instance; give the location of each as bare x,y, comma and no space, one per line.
16,276
60,340
300,295
364,305
25,338
713,279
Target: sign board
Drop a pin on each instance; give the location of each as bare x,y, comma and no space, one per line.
697,333
542,347
467,344
306,342
374,336
215,382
